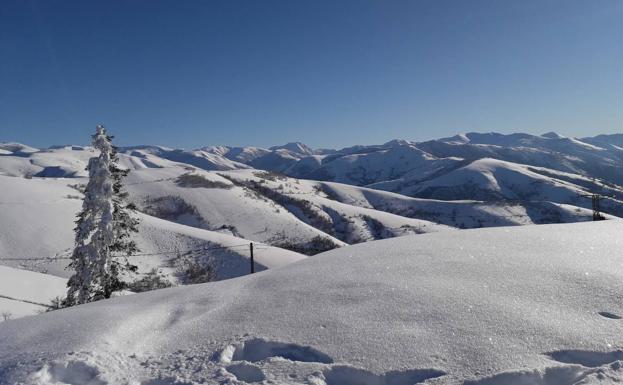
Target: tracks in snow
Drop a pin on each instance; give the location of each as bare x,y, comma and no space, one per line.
262,361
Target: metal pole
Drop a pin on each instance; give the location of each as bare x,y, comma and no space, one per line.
252,263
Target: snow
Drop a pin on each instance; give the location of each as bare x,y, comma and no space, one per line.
36,209
530,304
45,210
11,147
24,292
488,178
160,236
539,304
296,147
392,163
459,213
553,135
236,208
245,154
350,221
71,161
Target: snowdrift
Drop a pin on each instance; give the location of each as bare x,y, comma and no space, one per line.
513,305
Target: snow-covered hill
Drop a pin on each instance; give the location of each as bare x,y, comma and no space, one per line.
512,305
45,210
494,180
195,203
598,157
37,224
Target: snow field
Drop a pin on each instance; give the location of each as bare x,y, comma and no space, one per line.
527,305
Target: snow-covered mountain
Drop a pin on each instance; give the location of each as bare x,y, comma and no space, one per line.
523,305
598,157
196,203
296,147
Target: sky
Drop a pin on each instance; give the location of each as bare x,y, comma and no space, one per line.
325,72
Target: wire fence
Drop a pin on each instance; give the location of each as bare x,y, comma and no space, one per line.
187,251
194,250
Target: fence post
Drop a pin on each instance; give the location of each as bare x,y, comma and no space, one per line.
252,263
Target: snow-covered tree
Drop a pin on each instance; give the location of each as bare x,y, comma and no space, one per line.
123,226
103,229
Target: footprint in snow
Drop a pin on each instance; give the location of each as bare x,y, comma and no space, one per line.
246,372
258,349
240,359
164,381
585,367
348,375
586,358
69,373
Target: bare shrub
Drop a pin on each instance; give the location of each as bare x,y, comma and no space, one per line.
56,303
316,245
192,271
152,280
171,208
270,175
195,181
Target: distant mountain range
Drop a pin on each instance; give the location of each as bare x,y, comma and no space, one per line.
598,157
295,201
478,166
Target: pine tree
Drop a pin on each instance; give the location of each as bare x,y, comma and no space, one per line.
103,229
123,226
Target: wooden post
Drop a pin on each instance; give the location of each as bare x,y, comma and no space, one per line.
252,263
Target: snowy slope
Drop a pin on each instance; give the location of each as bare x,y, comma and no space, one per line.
206,160
278,158
309,222
44,210
459,213
392,163
398,165
71,161
16,148
309,216
37,220
491,179
296,147
350,221
400,162
161,241
58,162
304,216
221,206
549,150
25,292
520,305
301,214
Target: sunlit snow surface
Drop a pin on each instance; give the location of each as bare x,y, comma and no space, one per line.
516,305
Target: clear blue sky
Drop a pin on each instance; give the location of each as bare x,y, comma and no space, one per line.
329,73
